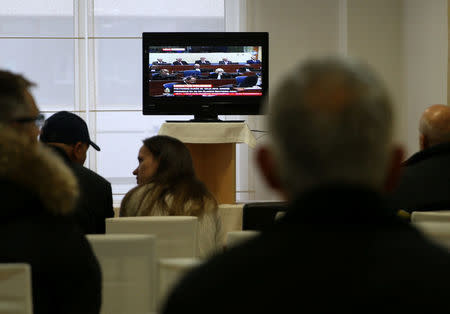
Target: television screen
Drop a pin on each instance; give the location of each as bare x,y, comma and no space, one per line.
204,74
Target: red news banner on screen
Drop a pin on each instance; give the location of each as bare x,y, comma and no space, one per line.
209,90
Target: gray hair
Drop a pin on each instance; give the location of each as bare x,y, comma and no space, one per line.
331,122
12,95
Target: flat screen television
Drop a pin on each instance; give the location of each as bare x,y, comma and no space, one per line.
204,74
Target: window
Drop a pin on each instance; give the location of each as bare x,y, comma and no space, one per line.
85,56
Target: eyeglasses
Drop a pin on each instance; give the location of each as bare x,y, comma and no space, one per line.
38,120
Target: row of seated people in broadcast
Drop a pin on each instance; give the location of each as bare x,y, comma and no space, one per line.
204,61
217,73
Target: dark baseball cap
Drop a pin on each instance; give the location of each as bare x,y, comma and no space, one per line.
67,128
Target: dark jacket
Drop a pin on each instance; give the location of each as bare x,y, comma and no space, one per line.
180,63
337,250
95,202
200,62
38,193
425,181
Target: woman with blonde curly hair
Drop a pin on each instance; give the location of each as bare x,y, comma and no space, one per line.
168,186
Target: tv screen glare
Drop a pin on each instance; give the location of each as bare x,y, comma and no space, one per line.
204,74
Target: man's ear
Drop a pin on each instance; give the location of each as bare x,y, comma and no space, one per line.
394,169
79,152
267,166
423,142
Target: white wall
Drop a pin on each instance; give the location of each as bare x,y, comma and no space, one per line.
425,61
375,36
297,29
405,41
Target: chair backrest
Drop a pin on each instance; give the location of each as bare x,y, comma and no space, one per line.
128,264
437,216
15,289
260,215
234,238
231,217
176,236
190,73
438,232
171,270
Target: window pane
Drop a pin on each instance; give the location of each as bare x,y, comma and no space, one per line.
119,73
132,17
120,135
36,18
47,62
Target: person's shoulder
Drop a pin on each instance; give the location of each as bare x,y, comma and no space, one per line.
90,175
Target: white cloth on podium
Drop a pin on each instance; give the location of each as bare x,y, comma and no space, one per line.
209,132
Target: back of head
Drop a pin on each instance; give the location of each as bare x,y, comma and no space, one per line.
66,128
331,122
175,175
13,100
175,161
435,125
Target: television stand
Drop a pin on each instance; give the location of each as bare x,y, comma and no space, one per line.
204,121
205,118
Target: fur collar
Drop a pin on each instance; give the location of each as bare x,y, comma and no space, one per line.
37,169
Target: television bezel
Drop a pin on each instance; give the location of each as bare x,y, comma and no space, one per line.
199,105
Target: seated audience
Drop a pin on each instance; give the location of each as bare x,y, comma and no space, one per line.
179,61
202,61
425,180
168,186
38,194
225,61
253,60
159,61
67,134
331,155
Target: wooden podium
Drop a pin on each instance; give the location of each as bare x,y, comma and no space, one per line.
213,150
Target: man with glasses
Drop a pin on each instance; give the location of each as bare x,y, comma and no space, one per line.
38,195
17,106
68,135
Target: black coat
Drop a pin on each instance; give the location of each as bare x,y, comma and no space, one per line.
95,202
200,62
425,181
180,63
38,193
337,250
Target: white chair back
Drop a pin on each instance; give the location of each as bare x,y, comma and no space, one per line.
171,270
128,264
437,216
176,236
438,232
15,289
231,217
236,237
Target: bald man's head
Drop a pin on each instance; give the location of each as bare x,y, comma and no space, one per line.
434,126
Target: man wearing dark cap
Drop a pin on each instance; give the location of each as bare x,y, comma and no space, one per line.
68,135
